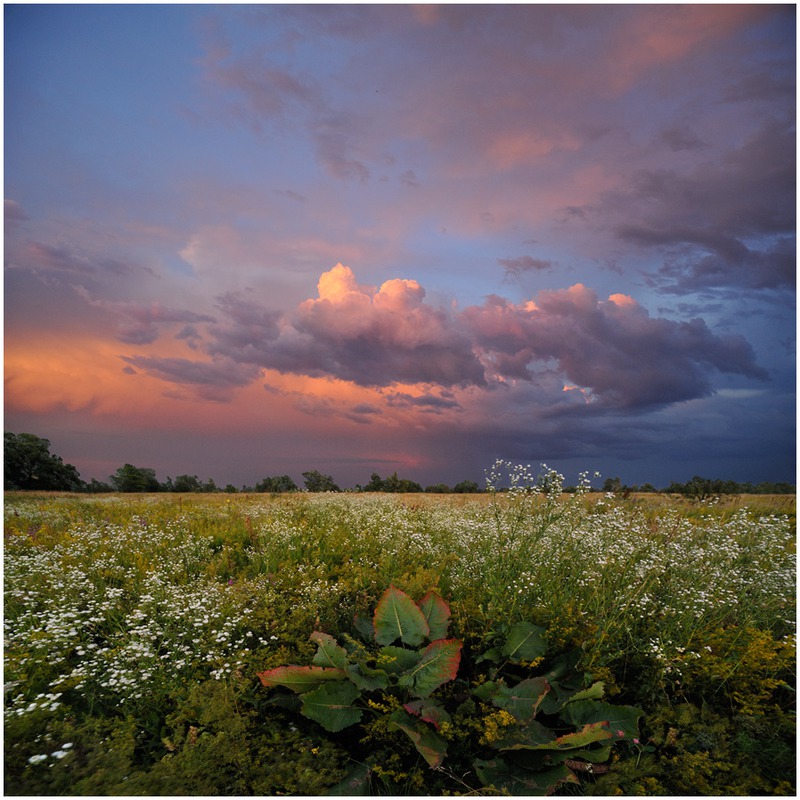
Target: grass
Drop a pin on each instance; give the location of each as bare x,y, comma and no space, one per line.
135,625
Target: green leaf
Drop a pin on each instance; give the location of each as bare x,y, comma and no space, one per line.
588,734
330,653
527,736
364,627
429,744
525,642
594,692
355,783
428,711
331,705
486,691
623,721
439,664
437,615
397,616
300,679
522,700
366,678
397,659
506,777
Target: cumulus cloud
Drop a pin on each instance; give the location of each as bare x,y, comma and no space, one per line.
375,337
577,348
613,348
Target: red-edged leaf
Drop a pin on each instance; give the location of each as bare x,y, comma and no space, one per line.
428,711
437,614
593,732
300,679
438,664
397,616
429,744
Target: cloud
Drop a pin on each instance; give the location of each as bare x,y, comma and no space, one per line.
613,348
143,323
54,259
514,267
610,352
375,337
211,380
720,225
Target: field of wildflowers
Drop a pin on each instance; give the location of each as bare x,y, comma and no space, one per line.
136,626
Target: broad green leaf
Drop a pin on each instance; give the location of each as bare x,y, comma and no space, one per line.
366,678
397,616
506,777
331,705
330,653
429,744
594,692
397,659
363,624
355,783
439,664
525,642
428,711
522,700
535,759
486,691
520,736
593,732
622,720
437,615
300,679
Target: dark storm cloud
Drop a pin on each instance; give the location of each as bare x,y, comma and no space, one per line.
721,225
427,402
247,331
613,348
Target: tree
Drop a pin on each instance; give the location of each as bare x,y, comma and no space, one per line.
276,484
186,483
375,483
317,482
437,488
29,464
135,479
466,487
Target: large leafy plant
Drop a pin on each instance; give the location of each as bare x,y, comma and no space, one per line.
549,726
332,690
535,731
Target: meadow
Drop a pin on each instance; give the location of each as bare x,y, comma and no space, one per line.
136,628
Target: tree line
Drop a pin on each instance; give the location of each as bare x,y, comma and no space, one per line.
28,464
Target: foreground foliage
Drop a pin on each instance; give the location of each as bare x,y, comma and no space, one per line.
136,629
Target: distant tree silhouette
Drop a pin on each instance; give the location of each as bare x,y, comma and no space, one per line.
317,482
29,464
279,483
135,479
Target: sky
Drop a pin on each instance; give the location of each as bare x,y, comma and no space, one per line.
254,240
